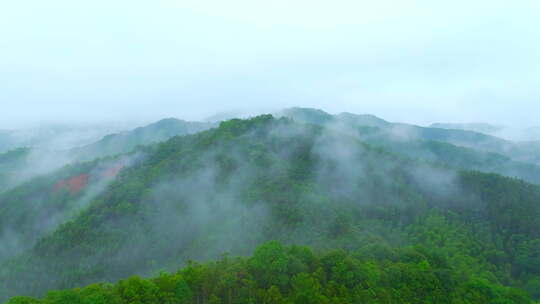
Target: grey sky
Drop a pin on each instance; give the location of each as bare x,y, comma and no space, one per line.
417,61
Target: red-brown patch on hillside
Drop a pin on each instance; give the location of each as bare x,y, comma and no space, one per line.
74,184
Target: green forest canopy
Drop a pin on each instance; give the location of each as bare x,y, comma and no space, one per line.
412,224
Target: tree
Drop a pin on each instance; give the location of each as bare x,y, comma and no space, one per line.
306,290
138,291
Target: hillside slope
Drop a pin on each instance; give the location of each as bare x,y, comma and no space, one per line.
126,141
455,148
36,208
232,188
20,165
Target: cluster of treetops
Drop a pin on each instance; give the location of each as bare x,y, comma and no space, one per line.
277,274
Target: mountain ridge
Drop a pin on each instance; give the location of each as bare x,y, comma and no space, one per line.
249,181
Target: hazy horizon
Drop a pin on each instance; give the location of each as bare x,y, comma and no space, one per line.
128,123
407,61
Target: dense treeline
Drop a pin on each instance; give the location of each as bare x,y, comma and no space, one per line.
277,274
229,189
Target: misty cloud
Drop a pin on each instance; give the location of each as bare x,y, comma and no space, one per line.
47,215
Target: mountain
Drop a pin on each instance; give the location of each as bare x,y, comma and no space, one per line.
455,148
126,141
22,164
506,132
38,207
400,131
56,136
476,127
235,187
19,165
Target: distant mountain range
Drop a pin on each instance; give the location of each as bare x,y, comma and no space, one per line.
394,135
126,141
20,164
476,127
57,136
509,133
449,144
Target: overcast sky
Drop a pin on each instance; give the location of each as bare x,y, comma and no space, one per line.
415,61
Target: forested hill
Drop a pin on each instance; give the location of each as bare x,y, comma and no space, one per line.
405,231
22,164
456,148
36,208
126,141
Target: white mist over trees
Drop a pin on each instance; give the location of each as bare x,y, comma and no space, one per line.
274,152
346,181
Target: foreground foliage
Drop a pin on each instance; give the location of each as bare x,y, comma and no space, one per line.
277,274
